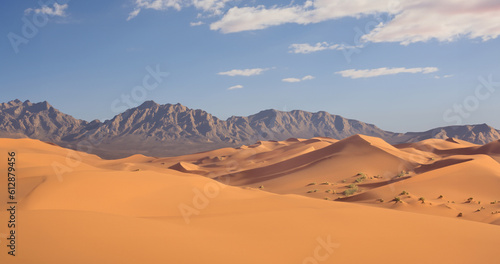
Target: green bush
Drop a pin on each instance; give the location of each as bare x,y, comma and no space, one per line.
360,179
397,199
350,191
352,185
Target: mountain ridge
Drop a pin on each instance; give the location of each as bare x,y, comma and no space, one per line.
173,129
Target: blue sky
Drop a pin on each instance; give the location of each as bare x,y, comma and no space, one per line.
411,67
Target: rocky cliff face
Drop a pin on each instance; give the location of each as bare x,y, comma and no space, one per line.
166,130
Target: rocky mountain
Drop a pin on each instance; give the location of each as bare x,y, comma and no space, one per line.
173,129
39,120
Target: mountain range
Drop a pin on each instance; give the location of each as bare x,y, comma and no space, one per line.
173,129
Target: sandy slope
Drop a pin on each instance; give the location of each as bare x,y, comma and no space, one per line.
137,210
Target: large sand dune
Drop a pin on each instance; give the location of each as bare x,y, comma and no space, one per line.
263,203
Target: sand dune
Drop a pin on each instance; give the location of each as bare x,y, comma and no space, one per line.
77,208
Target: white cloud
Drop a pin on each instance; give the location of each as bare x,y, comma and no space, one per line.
320,46
235,87
194,24
294,80
291,80
245,72
133,14
355,74
211,6
56,10
412,21
444,76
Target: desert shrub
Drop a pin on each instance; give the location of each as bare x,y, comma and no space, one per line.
397,199
404,193
360,179
440,197
380,200
344,180
352,185
494,202
350,191
422,199
459,215
470,200
325,183
261,187
312,183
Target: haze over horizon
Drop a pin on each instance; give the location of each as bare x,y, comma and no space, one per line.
361,63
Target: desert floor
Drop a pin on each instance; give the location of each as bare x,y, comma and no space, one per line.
358,200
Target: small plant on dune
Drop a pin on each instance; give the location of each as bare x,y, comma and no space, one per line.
352,190
494,202
325,183
328,191
361,174
344,181
312,183
261,187
360,179
495,212
326,198
422,199
459,215
399,175
397,199
137,169
404,193
380,200
479,210
470,200
352,185
440,197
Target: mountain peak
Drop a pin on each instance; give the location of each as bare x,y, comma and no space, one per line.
148,104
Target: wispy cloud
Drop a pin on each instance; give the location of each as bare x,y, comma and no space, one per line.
55,10
445,20
355,74
444,76
194,24
320,46
211,6
235,87
133,14
245,72
291,80
295,80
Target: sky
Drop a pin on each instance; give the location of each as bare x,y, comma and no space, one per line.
403,65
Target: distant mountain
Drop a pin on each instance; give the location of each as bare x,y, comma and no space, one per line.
39,120
168,130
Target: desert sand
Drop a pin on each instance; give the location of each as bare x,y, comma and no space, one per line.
319,200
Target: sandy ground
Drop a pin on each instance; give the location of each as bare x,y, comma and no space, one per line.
271,202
